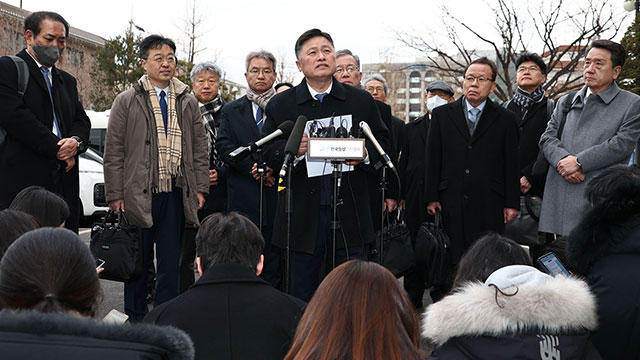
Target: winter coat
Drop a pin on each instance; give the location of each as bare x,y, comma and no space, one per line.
131,154
605,248
550,320
601,133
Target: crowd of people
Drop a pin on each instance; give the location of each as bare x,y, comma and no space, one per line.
283,269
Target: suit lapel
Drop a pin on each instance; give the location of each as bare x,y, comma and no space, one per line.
459,118
34,71
487,118
247,113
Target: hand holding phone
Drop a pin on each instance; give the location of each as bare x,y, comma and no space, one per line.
552,265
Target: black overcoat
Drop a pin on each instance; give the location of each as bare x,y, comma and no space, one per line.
230,313
238,128
412,165
28,154
354,211
473,177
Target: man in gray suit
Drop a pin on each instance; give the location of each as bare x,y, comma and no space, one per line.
601,129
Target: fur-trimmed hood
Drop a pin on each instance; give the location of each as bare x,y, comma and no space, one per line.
553,306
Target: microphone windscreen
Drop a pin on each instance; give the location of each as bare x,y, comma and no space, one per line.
296,135
286,127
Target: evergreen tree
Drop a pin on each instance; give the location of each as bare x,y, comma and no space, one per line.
630,76
116,67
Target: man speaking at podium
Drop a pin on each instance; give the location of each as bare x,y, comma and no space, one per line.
319,96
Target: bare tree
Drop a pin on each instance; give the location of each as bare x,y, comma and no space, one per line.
284,69
191,28
535,27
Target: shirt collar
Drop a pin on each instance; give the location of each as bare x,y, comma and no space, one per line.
37,62
166,91
314,93
479,107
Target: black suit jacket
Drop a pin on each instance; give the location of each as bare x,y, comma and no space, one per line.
412,165
530,127
230,313
28,155
238,128
354,212
473,177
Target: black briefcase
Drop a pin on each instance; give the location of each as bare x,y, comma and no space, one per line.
119,244
432,251
398,251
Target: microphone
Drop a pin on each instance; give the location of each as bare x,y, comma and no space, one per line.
243,151
385,158
291,149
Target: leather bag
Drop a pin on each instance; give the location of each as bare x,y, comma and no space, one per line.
119,244
398,251
432,251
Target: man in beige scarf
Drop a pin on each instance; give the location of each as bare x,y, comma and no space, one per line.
156,164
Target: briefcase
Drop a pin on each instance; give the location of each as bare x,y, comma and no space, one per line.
398,251
119,244
432,251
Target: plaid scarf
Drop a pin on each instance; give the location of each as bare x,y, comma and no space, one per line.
525,100
261,99
208,111
169,144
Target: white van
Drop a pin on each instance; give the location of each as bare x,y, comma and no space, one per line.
90,165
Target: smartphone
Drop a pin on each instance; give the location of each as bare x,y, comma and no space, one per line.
552,265
116,317
99,263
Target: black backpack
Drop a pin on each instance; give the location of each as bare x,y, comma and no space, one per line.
23,81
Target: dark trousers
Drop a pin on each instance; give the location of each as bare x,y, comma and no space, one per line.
414,284
188,253
308,270
168,222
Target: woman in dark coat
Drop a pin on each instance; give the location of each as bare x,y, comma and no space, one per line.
605,249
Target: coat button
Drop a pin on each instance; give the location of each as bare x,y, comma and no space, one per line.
465,196
469,147
147,142
146,165
144,191
467,171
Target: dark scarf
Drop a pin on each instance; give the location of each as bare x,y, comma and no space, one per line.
525,100
208,111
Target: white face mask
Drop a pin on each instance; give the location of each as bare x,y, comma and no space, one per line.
435,101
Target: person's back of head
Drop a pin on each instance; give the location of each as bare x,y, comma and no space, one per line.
229,239
13,224
49,270
488,254
360,311
50,209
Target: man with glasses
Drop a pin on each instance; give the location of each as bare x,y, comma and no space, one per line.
601,129
472,173
156,168
241,122
533,110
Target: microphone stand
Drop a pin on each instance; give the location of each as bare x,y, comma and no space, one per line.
383,188
288,210
261,168
335,223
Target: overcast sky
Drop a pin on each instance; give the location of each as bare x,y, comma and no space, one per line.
233,28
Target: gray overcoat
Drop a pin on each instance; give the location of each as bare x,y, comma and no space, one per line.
600,133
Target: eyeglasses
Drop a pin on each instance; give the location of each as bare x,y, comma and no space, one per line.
371,89
471,79
168,59
256,71
349,69
531,69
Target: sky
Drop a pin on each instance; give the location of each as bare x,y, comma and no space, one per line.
231,28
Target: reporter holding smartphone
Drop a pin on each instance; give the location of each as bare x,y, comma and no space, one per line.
604,249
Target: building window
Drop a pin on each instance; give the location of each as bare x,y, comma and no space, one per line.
402,91
401,101
415,90
415,101
429,79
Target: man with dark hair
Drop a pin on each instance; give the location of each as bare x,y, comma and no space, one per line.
533,110
230,313
601,128
43,130
471,172
318,96
240,124
156,167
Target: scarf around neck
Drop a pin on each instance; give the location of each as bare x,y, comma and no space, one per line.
525,100
261,99
169,143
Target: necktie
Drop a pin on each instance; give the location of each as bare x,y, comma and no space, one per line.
56,125
163,108
473,119
320,96
259,118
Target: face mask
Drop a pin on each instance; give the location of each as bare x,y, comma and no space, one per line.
47,55
435,101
